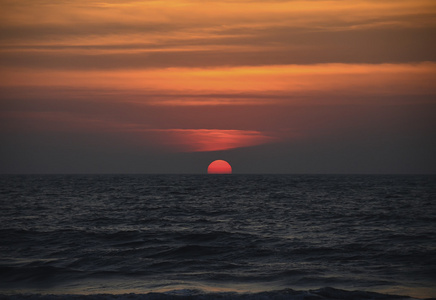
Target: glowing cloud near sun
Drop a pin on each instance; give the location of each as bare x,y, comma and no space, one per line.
204,140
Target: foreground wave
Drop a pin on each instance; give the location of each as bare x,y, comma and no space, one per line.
327,293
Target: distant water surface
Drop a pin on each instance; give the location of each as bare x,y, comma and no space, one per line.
88,234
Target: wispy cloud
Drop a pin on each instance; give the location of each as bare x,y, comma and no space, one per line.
203,140
285,84
144,34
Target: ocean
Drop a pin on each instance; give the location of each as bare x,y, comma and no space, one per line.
217,236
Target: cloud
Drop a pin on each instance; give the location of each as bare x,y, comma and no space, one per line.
204,140
92,35
140,134
283,84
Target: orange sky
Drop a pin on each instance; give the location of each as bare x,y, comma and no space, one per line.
207,76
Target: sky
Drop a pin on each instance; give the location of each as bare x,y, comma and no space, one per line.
270,86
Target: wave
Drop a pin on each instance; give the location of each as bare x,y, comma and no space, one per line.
116,234
326,293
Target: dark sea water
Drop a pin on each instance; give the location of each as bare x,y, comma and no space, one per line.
193,235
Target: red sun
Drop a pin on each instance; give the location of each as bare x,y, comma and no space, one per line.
219,167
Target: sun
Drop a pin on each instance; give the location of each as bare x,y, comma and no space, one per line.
219,167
